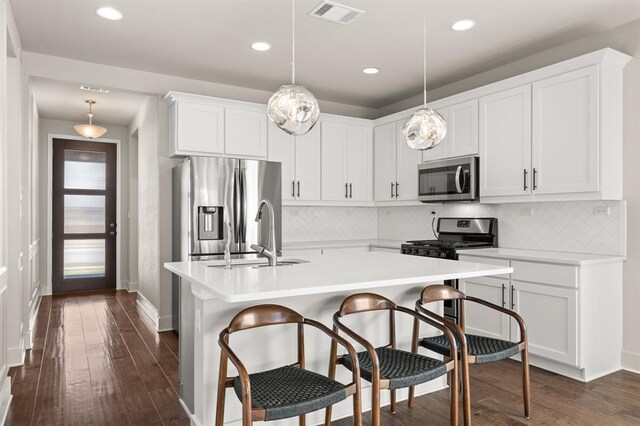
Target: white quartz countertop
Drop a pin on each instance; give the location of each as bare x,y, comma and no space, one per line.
564,258
393,244
323,274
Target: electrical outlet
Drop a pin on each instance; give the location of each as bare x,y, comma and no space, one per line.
526,211
602,210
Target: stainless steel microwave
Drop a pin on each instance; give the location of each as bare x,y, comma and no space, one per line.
449,180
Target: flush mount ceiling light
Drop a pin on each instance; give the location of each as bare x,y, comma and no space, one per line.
261,46
425,129
90,130
463,25
371,70
94,89
293,108
109,13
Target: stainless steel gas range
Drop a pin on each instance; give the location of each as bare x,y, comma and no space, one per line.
455,234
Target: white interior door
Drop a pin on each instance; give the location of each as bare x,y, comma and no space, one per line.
308,165
334,162
565,132
505,143
384,159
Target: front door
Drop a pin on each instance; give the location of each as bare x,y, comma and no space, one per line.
84,225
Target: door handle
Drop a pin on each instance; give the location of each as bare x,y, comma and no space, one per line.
243,180
293,189
112,233
350,190
397,192
525,180
346,190
236,205
503,289
458,188
298,189
535,174
392,190
513,301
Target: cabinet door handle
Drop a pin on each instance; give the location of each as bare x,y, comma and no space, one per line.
535,174
346,190
503,301
298,189
392,190
293,189
397,192
350,190
513,300
525,179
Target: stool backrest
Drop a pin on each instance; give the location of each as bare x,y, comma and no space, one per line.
439,292
263,315
367,302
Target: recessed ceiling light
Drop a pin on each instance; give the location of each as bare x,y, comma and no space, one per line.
261,46
463,25
109,13
371,70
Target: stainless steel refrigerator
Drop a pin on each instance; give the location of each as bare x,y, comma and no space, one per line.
215,201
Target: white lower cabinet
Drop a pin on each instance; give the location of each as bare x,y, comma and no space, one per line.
562,306
551,317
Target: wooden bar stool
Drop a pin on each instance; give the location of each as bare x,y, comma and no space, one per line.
474,349
388,367
288,391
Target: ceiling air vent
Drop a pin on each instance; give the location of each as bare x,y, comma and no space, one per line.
335,12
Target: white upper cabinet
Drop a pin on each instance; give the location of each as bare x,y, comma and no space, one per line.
300,157
308,160
565,132
346,162
384,162
245,133
395,164
505,143
197,128
462,132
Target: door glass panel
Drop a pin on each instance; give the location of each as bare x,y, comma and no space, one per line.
84,214
84,258
85,169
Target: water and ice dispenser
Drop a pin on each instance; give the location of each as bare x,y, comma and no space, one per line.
210,223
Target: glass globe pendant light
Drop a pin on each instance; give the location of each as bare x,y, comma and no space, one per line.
426,128
90,130
293,108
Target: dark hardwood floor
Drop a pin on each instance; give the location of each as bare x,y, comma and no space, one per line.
96,360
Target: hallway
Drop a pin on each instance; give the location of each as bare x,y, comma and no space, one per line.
96,359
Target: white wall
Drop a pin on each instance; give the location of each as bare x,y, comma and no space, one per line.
133,212
60,127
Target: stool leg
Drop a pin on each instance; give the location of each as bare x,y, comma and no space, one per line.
466,391
333,357
357,407
302,420
393,401
453,378
375,402
412,391
222,388
526,383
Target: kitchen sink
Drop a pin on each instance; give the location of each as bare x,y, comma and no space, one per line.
263,264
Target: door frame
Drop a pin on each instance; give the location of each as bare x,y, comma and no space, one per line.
50,138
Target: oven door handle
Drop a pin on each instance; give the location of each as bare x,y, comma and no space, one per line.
458,188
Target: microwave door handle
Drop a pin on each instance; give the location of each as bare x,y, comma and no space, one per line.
458,170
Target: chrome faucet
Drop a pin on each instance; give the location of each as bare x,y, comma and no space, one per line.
270,252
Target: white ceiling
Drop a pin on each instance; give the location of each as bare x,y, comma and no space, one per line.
209,39
64,101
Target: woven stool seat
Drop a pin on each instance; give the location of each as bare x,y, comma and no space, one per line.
290,391
401,368
484,349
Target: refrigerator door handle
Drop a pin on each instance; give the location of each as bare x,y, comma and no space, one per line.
243,180
236,205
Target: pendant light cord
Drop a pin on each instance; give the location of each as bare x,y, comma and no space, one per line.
424,53
293,42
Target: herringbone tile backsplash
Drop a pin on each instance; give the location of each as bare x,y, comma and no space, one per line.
570,226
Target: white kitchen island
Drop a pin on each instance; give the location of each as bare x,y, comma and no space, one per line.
212,295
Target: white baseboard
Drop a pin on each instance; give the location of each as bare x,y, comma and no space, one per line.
148,308
631,361
132,286
5,395
165,323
